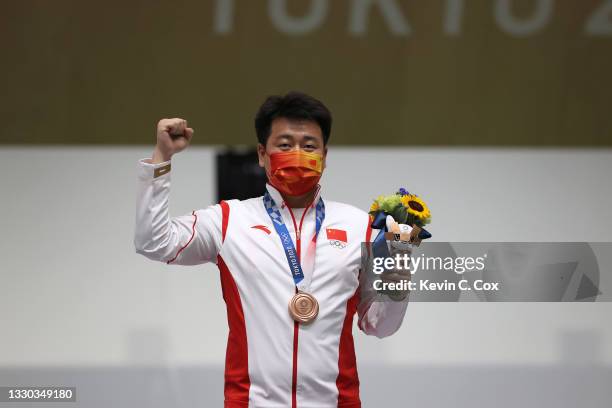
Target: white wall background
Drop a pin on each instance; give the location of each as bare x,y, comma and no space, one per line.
74,293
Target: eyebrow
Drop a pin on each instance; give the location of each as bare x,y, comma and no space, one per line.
312,138
290,136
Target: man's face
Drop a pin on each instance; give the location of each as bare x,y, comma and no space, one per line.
287,135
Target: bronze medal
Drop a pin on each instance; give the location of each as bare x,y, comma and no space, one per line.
303,308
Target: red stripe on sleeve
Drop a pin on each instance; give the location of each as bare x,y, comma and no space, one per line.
225,210
195,219
368,237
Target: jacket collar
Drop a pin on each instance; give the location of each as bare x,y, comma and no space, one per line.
278,198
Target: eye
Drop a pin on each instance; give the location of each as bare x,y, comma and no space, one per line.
284,146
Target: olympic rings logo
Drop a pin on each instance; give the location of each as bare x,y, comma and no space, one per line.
337,244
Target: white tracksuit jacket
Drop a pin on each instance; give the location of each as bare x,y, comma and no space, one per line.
271,361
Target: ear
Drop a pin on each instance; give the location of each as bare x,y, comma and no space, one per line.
261,153
324,158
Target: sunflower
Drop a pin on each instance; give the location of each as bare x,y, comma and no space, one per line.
374,207
416,207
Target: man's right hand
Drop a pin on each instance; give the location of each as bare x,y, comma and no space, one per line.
173,136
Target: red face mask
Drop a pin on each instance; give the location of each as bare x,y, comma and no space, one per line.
295,173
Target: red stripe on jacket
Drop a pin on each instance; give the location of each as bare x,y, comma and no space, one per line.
348,379
225,210
237,381
195,219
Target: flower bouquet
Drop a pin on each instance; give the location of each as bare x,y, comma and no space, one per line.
401,217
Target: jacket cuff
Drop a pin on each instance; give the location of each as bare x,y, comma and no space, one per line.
148,170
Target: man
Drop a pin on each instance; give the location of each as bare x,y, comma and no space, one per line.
289,262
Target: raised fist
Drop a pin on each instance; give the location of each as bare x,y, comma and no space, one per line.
173,136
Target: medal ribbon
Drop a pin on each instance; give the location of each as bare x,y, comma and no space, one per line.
281,230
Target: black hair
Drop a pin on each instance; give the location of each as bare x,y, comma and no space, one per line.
294,105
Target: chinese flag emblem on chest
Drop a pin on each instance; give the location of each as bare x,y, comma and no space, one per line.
336,234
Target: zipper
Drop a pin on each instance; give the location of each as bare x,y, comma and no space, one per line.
296,325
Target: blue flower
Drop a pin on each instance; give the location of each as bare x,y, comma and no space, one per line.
403,191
